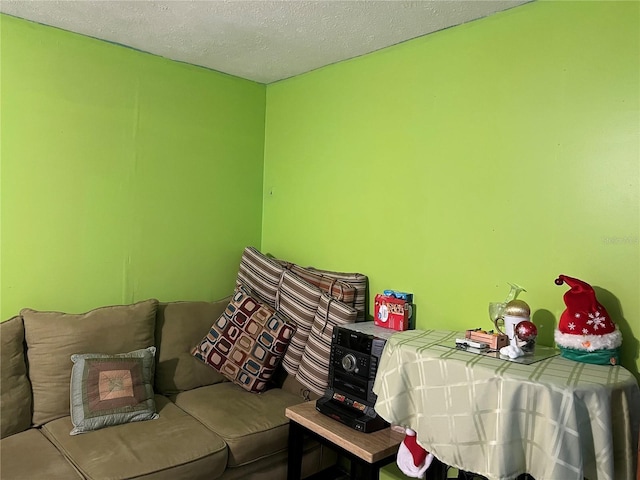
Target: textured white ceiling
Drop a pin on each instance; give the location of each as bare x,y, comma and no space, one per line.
262,40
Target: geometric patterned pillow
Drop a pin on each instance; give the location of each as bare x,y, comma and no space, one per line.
112,389
247,341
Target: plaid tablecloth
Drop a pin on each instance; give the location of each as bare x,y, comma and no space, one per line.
555,419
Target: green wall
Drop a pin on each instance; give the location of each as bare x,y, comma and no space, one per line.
502,150
125,176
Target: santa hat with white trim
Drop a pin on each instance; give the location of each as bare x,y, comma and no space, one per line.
585,331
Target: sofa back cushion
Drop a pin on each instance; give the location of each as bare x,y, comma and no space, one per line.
180,326
52,337
15,401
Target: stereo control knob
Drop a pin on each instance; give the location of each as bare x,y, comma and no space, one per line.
349,362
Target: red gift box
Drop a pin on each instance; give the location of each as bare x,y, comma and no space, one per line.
391,312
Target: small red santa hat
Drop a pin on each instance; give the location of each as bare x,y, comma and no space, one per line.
412,459
585,324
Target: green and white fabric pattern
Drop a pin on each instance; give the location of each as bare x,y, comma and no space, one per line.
553,419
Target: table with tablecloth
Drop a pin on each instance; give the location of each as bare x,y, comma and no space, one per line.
555,419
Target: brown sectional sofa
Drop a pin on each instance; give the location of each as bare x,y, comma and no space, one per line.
208,428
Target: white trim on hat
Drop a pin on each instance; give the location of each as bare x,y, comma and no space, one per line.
589,343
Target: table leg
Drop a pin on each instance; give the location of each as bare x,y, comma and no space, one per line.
294,462
370,472
363,471
436,471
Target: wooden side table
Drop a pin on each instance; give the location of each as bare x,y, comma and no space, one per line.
368,452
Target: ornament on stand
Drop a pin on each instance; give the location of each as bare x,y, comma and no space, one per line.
527,332
514,313
498,311
585,330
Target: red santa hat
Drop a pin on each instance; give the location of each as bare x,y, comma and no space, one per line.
412,459
585,325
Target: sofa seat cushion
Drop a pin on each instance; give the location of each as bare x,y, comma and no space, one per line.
175,445
30,455
253,426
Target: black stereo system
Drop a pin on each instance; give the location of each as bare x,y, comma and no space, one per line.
355,354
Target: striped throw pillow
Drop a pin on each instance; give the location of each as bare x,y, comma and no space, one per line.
314,365
356,280
286,292
261,274
298,300
338,289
